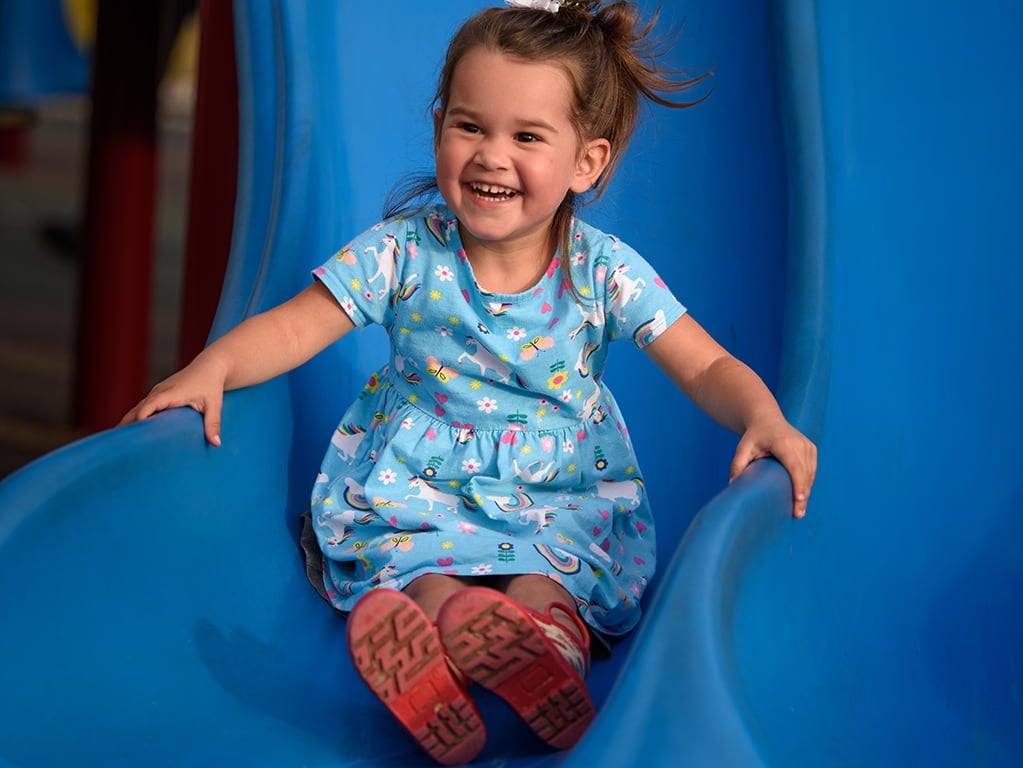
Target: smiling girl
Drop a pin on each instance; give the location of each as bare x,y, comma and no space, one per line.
480,513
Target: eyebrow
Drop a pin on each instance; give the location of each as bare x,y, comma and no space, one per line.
530,123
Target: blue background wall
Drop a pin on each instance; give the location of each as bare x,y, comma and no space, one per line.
889,629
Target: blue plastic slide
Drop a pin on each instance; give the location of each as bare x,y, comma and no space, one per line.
842,213
40,55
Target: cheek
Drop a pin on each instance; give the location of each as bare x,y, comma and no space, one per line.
446,159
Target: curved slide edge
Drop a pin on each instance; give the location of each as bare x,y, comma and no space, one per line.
680,703
675,703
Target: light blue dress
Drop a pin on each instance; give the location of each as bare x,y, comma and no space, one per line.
489,444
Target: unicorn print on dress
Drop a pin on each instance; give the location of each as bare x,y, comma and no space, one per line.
347,439
339,522
386,578
591,404
545,474
613,490
336,523
386,264
624,290
486,360
541,517
593,317
405,290
427,492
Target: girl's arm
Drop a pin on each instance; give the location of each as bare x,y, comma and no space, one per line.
264,346
733,395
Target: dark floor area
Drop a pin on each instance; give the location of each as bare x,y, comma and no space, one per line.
40,201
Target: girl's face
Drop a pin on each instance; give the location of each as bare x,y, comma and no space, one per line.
507,152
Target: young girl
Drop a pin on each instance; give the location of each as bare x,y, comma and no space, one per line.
479,512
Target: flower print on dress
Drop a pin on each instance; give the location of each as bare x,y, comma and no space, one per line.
517,334
444,273
387,476
557,380
487,405
506,552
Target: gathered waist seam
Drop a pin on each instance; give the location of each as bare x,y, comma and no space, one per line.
488,425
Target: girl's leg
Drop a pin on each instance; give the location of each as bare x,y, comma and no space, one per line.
432,590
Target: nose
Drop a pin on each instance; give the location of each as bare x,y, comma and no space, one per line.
492,154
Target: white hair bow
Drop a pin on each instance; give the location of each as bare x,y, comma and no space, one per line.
536,5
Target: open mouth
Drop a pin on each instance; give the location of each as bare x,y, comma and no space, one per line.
492,193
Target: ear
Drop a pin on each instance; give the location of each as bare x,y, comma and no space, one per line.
593,160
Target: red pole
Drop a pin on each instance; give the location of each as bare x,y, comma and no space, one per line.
213,177
120,200
14,128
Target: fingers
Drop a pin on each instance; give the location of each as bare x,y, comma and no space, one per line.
745,454
797,454
800,499
211,420
157,402
802,470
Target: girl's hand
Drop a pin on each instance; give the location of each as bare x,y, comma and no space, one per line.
199,386
781,440
261,347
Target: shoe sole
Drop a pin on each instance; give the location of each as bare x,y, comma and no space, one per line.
493,641
397,652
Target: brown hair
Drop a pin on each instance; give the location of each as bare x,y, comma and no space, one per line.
610,59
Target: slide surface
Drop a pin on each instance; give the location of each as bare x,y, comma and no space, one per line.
842,213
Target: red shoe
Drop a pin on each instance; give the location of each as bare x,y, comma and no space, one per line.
398,653
525,657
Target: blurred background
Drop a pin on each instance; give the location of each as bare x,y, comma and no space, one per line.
46,114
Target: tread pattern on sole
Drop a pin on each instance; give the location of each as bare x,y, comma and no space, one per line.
502,650
397,651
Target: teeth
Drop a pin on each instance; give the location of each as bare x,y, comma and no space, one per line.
494,191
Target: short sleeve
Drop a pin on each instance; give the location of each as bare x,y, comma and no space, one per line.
365,274
638,305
